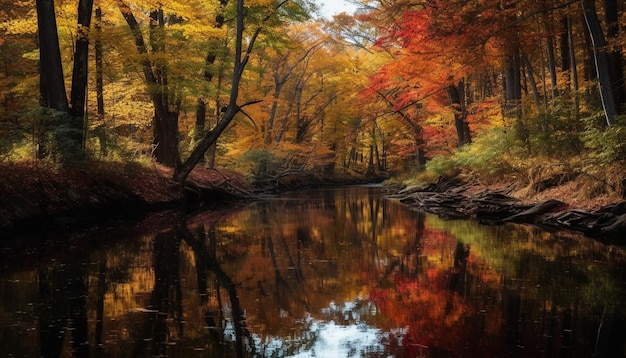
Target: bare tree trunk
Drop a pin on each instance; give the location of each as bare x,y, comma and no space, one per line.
565,44
81,60
211,58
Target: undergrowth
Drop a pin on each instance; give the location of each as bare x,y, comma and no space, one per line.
530,151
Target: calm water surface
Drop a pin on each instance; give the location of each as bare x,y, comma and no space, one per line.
324,273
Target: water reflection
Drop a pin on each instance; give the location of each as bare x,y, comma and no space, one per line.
339,272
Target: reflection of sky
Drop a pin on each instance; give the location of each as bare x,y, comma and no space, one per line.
343,341
332,339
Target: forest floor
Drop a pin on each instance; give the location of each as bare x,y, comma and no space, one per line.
33,195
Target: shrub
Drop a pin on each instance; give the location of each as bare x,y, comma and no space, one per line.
606,144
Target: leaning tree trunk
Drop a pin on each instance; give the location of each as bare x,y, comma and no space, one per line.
530,73
240,61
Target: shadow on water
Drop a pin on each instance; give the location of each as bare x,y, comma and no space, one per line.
340,272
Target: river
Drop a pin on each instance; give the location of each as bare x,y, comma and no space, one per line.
339,272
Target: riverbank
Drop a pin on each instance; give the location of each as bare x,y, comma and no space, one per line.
33,197
561,205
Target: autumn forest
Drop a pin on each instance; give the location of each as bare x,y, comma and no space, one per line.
127,128
401,88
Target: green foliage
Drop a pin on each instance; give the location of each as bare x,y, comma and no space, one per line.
444,166
26,136
494,152
260,162
606,144
553,132
68,137
44,135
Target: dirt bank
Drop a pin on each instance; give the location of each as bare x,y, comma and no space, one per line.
561,205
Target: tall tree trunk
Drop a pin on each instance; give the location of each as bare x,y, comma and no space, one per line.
590,73
100,83
165,120
601,60
615,55
454,100
81,60
166,137
51,67
564,44
573,65
531,79
78,94
370,163
513,85
550,56
279,81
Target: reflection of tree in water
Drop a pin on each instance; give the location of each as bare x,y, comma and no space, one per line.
208,261
164,322
458,276
62,308
276,268
165,300
284,291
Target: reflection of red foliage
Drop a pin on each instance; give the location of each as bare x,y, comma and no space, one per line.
377,295
433,320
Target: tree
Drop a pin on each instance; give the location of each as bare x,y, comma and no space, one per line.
241,58
155,72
